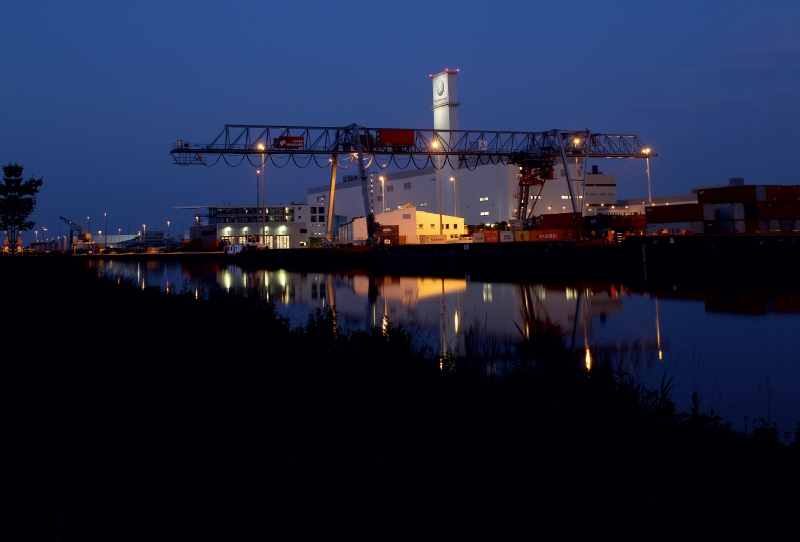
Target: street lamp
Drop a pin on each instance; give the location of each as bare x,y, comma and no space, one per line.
439,181
167,247
44,234
455,207
89,229
647,161
106,239
144,236
258,198
263,195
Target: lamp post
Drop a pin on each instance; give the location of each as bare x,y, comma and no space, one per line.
258,198
647,162
439,181
263,196
144,236
44,234
106,240
119,236
455,206
167,244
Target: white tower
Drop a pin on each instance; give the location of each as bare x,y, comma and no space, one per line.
445,112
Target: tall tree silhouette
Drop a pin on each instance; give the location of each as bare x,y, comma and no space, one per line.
17,200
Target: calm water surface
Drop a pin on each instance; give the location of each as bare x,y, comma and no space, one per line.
740,353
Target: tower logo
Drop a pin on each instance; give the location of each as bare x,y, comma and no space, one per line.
440,87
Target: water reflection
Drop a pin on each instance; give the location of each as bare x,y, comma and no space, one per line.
723,345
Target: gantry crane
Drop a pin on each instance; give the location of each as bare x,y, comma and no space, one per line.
534,152
84,236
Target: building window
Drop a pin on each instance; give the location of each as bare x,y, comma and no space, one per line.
380,198
406,216
406,186
321,211
447,226
484,199
390,188
321,217
433,225
420,226
281,241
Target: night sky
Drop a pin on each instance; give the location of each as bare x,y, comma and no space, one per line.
95,94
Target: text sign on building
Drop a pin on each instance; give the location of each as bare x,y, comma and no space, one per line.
289,142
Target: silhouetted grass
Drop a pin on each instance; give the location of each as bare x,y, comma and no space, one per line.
134,409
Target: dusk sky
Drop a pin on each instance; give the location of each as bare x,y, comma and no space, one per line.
94,94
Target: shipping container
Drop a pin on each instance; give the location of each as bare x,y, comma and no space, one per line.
766,211
787,209
519,224
723,211
738,211
478,238
787,192
523,235
674,213
697,226
771,191
393,137
432,239
727,194
718,226
561,221
775,225
787,225
507,236
761,193
492,236
708,211
763,226
672,228
547,235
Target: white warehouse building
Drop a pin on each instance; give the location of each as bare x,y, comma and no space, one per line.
485,194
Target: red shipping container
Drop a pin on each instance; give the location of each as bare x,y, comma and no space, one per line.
787,192
787,209
727,194
492,236
766,211
547,235
771,191
393,137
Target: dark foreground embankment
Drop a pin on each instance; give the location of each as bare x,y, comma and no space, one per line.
137,415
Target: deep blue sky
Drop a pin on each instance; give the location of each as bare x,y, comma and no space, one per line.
94,94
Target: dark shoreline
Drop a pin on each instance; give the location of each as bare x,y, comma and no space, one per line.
122,427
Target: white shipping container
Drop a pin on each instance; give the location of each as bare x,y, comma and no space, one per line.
739,226
775,225
432,239
797,225
738,211
708,211
672,227
478,238
506,236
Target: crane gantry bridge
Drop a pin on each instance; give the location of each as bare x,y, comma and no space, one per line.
534,152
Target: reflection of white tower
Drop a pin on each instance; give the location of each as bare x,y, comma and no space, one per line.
445,112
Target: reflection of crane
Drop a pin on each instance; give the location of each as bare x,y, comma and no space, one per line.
83,234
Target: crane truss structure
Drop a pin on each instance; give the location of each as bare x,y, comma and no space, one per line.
534,152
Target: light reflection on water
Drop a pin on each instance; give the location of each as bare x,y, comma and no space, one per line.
741,353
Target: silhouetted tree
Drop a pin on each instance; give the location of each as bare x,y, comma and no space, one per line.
17,200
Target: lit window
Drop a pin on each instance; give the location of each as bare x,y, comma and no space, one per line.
484,198
485,213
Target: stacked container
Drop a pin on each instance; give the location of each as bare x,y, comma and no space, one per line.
674,219
750,209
